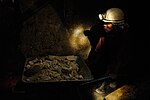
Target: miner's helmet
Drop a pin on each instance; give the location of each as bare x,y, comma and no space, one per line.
112,15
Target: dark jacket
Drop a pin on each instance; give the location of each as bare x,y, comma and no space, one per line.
112,57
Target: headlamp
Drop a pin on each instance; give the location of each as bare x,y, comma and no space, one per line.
100,16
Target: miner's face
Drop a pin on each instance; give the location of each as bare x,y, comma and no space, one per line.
108,27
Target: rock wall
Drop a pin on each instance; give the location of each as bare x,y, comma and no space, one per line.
43,33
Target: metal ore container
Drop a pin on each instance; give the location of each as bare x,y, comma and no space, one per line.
56,69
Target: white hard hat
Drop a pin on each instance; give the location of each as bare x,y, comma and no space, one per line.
112,15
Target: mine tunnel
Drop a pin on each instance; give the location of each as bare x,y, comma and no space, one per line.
50,33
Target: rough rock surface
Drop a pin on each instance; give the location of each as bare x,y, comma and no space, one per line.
43,33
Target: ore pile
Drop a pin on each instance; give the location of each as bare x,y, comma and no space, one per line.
52,68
